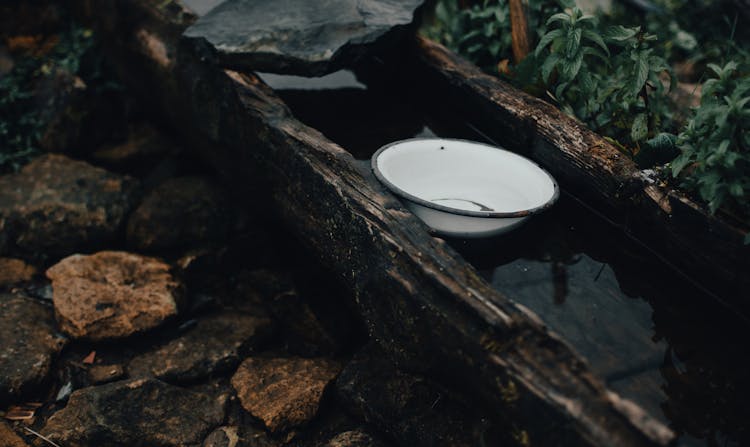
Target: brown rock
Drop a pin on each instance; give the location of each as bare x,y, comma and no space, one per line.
9,438
214,345
283,392
187,211
29,344
15,271
101,374
136,413
245,436
112,294
56,206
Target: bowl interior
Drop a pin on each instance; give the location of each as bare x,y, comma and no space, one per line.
465,176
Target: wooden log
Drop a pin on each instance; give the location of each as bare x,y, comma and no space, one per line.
422,303
709,249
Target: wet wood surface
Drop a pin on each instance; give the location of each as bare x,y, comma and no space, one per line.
709,249
429,309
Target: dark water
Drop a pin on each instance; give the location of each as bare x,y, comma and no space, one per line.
644,328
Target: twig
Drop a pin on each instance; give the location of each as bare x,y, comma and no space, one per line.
42,437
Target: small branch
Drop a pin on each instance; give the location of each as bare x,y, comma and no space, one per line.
519,30
42,437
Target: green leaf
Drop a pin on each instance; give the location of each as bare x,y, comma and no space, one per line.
573,42
592,51
641,75
571,67
658,64
662,141
559,17
549,65
723,146
709,88
736,190
547,39
596,38
620,33
639,130
586,83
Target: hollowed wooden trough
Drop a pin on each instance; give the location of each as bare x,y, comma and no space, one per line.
427,307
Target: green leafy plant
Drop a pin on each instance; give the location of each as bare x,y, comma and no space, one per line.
567,47
715,144
482,31
612,80
611,72
21,119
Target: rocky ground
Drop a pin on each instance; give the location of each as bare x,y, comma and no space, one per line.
142,303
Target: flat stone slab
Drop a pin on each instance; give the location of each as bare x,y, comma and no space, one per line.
136,413
212,346
28,345
56,206
112,294
303,37
283,392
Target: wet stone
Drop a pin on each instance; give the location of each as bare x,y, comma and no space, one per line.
245,436
144,145
283,392
302,331
14,272
354,438
216,344
101,374
77,116
56,206
112,294
29,344
299,36
185,211
9,438
411,409
136,413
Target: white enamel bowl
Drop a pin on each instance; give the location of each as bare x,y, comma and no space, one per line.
464,189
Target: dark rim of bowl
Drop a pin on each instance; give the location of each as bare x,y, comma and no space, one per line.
426,203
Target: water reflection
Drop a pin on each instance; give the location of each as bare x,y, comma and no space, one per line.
645,330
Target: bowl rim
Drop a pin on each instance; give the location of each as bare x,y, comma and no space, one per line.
426,203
